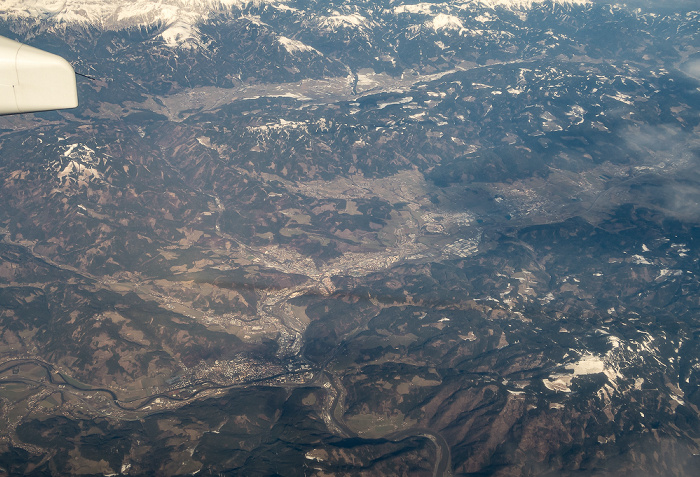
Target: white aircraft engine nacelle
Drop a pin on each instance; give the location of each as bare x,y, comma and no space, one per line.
34,80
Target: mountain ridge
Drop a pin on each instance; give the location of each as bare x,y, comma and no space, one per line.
179,18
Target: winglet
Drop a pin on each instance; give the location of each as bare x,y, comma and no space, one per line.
34,80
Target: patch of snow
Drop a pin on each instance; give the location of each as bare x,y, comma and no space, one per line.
297,96
443,21
309,455
424,8
678,400
282,124
640,260
614,341
418,8
284,8
666,272
82,172
623,98
576,114
588,364
525,4
179,16
353,20
558,382
180,34
70,150
401,101
293,46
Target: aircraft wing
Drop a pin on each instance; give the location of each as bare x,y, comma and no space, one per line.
34,80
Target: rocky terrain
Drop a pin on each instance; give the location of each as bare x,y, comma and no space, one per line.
369,238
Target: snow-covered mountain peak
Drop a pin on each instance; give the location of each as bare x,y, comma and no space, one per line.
352,20
119,13
294,46
523,4
179,16
442,21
